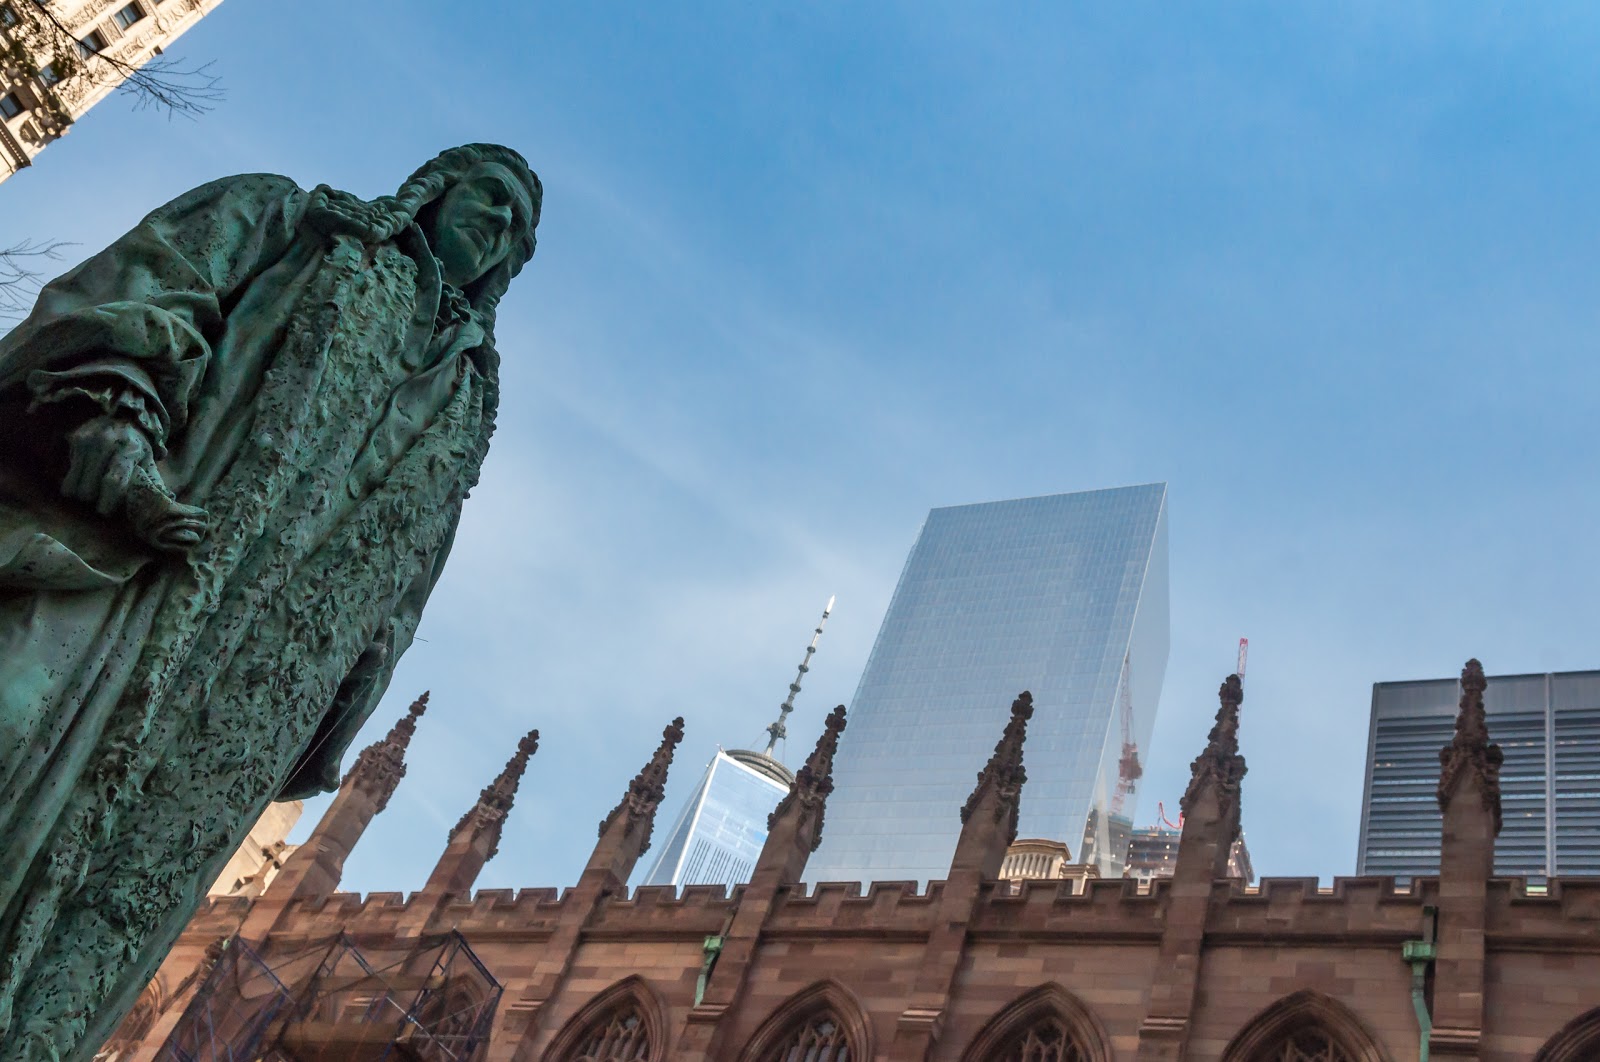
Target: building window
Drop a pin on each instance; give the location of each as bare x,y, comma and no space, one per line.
50,74
91,42
821,1039
128,16
1046,1040
1309,1044
620,1036
8,16
10,105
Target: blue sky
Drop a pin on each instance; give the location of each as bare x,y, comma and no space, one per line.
806,271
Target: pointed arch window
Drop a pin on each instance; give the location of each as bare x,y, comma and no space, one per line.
1577,1041
1044,1024
822,1023
620,1036
1309,1044
622,1024
1304,1027
1048,1039
821,1037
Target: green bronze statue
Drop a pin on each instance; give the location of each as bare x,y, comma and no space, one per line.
234,447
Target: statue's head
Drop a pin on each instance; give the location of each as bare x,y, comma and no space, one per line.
472,226
478,206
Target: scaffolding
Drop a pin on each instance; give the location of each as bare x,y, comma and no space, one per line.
334,1002
231,1010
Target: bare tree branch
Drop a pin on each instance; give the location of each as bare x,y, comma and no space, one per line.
21,268
174,87
163,84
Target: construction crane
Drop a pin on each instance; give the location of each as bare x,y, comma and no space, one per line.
1244,652
1129,770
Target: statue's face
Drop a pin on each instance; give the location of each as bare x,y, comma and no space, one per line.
477,221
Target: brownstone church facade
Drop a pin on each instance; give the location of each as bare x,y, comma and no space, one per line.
1197,966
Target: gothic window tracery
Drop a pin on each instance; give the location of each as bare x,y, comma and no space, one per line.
622,1024
620,1035
1577,1041
1306,1026
819,1038
1307,1044
1047,1039
1045,1024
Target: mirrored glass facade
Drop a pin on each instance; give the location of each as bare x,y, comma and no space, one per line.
1062,596
1548,727
719,835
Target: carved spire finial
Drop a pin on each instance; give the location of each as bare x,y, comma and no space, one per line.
814,781
1220,763
1004,772
1470,749
647,788
488,815
380,766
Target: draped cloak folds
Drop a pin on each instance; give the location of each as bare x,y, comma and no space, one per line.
329,403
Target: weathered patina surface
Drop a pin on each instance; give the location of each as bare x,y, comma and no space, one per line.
233,452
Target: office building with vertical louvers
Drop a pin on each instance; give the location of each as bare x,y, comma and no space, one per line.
1548,730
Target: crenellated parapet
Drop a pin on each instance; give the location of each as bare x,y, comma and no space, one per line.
1198,967
883,909
1366,910
699,912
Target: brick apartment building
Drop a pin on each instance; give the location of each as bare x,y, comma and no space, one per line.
1196,966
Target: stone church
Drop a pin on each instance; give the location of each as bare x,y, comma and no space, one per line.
1198,966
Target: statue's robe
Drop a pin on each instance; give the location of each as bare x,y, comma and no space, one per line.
329,404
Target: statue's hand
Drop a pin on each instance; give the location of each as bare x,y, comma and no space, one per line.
114,469
106,454
160,519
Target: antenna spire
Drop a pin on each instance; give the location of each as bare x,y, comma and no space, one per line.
779,730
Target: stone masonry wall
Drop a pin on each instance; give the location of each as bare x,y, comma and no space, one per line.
1195,967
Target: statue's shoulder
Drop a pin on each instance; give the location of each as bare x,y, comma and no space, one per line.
273,181
259,189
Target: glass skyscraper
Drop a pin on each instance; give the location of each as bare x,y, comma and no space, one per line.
1548,727
718,837
1064,596
720,833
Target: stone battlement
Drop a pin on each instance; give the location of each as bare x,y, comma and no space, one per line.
1197,966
